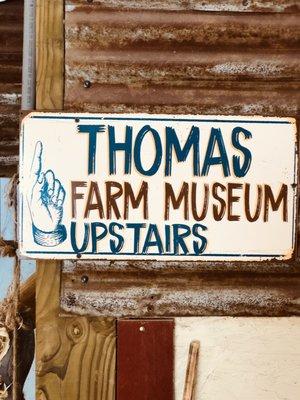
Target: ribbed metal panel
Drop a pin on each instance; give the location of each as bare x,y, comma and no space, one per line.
195,57
181,61
289,6
11,38
153,289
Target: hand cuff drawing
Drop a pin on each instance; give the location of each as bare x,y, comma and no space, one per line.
49,239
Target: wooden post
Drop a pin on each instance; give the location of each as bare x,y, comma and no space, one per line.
75,355
191,372
50,55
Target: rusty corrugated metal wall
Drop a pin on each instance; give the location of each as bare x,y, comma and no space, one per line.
173,57
182,56
11,42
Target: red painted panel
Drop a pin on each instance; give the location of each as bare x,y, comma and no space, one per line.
145,359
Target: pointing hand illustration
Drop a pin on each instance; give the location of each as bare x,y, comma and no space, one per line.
46,197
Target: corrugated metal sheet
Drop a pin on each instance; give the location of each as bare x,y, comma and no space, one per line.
159,289
198,5
183,62
11,39
191,57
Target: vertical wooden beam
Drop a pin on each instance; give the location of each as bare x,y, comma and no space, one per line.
50,54
75,355
49,96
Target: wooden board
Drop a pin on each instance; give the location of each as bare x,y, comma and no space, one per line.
145,359
75,356
50,55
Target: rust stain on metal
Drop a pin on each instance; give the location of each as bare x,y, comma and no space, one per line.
188,30
125,290
182,57
11,40
198,5
181,62
123,98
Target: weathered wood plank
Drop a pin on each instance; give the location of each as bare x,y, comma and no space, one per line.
50,58
191,371
50,53
75,356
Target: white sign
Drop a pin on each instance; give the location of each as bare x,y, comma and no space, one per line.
157,187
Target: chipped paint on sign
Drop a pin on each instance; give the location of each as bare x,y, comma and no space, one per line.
158,187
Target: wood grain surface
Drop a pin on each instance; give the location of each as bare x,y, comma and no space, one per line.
50,54
75,355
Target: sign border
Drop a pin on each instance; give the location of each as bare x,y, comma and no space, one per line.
181,118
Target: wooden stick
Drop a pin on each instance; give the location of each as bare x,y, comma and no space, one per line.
191,371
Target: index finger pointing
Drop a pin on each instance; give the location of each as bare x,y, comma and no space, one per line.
36,165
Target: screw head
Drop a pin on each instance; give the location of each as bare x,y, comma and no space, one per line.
84,279
87,84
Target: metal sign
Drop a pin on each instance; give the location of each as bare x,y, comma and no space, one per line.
163,187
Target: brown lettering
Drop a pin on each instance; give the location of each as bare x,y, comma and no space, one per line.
94,191
275,204
232,199
218,213
111,198
196,216
75,195
258,203
135,201
176,202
